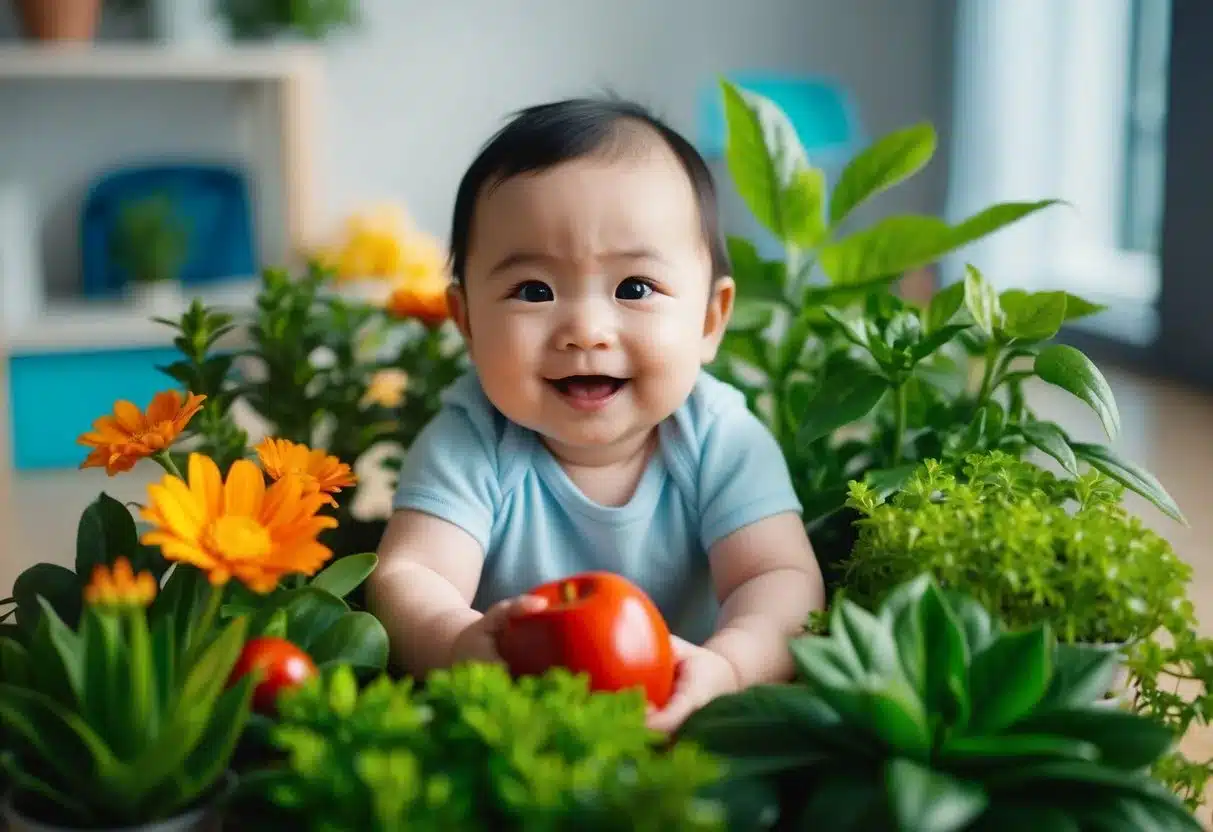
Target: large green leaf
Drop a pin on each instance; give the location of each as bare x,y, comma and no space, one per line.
769,729
1129,474
310,612
1082,674
106,532
931,801
357,639
1068,368
1009,678
60,657
346,574
755,277
890,160
845,801
182,599
945,683
1125,740
981,301
58,585
104,693
899,243
841,399
866,638
944,305
769,167
977,756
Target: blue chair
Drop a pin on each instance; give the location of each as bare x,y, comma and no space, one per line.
212,199
821,110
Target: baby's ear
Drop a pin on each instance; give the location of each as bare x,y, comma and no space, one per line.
716,320
456,299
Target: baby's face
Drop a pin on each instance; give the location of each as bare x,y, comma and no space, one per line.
588,302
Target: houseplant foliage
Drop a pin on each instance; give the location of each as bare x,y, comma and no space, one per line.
857,383
1033,547
929,715
119,721
324,370
472,750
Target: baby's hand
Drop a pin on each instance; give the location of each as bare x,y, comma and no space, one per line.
478,641
702,676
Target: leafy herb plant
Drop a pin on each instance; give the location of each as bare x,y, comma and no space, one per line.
477,750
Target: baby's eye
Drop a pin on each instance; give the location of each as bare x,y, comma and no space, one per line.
634,288
532,291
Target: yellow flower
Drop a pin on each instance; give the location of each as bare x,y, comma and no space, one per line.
386,388
129,435
120,586
317,472
238,528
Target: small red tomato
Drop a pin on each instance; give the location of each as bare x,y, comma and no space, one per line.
596,623
281,664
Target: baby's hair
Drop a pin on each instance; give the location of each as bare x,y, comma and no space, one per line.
546,135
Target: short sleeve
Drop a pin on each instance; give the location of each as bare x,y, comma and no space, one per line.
743,476
450,472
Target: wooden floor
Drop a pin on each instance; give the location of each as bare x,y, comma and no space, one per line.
1166,428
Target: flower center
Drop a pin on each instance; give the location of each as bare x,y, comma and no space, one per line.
237,537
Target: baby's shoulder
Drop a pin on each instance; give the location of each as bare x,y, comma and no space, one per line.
710,403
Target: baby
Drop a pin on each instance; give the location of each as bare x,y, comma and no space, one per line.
591,285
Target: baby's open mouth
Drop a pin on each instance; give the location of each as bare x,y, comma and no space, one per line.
588,388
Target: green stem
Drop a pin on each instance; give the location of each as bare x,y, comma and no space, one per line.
899,427
199,637
166,462
987,377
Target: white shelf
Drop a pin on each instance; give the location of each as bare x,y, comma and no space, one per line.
150,62
71,326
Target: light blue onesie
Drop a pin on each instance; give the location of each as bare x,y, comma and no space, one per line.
718,469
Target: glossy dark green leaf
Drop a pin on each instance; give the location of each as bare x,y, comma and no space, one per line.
1131,475
357,639
345,574
66,654
1009,678
974,755
14,662
310,613
865,637
897,717
840,400
1007,816
1125,740
1068,368
58,585
106,531
979,628
945,677
182,598
931,801
769,729
1032,316
846,801
1050,438
1082,675
822,663
888,161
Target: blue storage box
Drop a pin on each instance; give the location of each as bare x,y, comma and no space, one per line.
56,396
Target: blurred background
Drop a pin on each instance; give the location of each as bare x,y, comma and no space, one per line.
268,123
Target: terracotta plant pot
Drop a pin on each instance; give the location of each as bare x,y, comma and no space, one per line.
59,20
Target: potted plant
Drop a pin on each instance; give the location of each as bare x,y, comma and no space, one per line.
120,722
473,749
309,19
928,714
150,243
59,20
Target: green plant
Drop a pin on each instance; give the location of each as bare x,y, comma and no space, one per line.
1026,544
859,384
311,19
307,367
476,750
150,240
119,721
928,715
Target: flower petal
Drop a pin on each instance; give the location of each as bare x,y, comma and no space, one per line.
244,491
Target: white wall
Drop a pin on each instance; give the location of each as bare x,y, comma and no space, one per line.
411,95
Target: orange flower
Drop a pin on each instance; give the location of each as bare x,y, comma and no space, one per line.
129,435
386,388
119,586
424,300
238,528
317,471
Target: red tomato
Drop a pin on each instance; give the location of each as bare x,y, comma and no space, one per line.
282,665
596,623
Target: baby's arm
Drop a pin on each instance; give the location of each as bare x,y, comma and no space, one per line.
423,588
768,581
